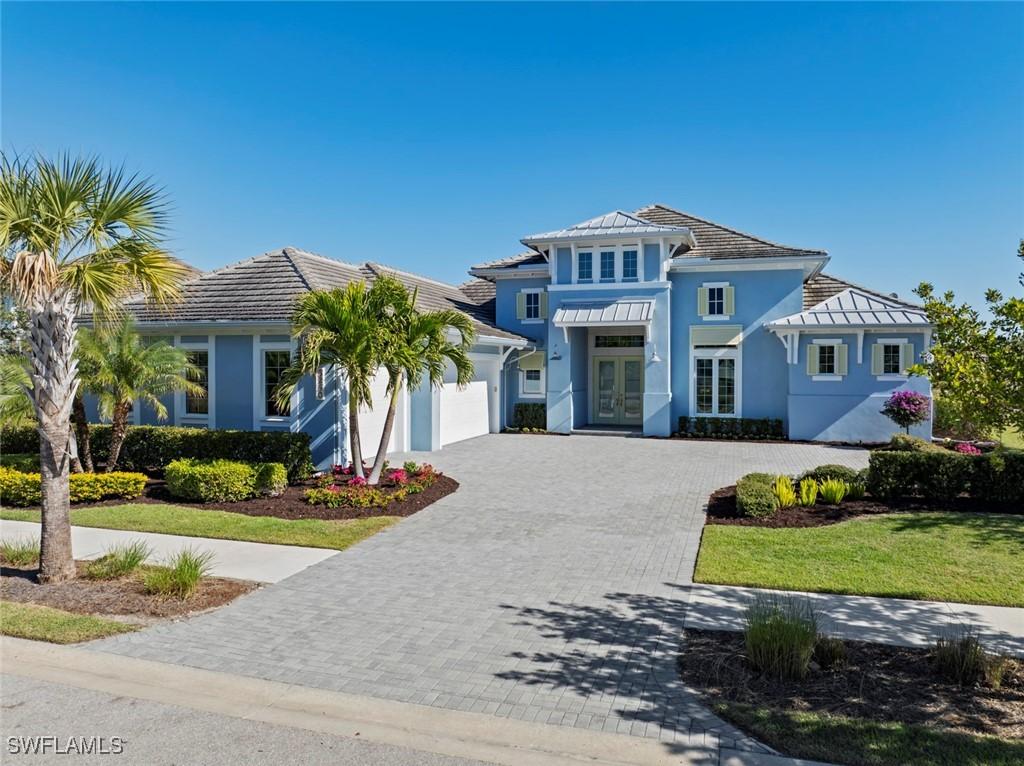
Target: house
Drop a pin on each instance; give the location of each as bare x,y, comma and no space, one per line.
626,321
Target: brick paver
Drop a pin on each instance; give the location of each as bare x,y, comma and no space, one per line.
551,587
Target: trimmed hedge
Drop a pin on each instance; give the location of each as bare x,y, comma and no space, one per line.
530,415
755,497
148,448
21,489
27,463
832,471
731,428
222,481
941,475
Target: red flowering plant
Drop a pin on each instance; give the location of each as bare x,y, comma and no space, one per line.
399,476
907,408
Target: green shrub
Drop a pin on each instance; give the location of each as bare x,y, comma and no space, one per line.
962,659
530,415
26,463
731,428
24,489
119,560
831,471
785,495
908,443
182,574
829,652
754,495
808,492
269,478
208,481
833,490
856,490
935,475
998,476
355,497
780,635
20,551
148,448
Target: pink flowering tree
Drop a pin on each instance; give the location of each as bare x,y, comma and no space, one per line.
907,408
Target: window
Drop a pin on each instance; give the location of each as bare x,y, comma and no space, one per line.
584,267
826,360
891,362
531,381
618,341
533,305
716,301
715,390
607,265
199,403
274,364
705,390
726,386
629,266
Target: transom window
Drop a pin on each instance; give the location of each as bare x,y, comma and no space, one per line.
199,403
716,301
607,265
891,362
532,305
275,362
826,360
618,341
584,267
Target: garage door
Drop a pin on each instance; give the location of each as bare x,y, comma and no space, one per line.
371,421
465,413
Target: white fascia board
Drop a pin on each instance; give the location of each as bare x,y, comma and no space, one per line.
511,273
491,340
811,264
222,327
845,328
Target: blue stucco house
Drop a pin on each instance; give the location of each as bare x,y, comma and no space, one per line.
627,321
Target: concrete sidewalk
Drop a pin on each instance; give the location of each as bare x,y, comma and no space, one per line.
883,620
260,562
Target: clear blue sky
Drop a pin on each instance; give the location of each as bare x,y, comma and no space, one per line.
431,137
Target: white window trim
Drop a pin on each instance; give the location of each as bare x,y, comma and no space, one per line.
732,352
528,291
524,394
259,414
891,376
833,377
209,420
717,317
595,249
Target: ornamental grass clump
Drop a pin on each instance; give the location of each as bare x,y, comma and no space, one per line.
808,492
962,659
182,574
907,408
119,560
833,491
780,635
829,652
785,495
20,551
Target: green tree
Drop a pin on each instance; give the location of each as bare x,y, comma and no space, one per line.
15,403
417,345
977,364
121,370
73,236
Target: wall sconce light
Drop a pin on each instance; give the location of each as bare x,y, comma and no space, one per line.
654,354
555,354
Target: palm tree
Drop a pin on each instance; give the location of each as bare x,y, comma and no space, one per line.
120,370
417,345
15,404
73,235
343,328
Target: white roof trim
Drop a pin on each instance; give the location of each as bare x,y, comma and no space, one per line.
614,224
855,308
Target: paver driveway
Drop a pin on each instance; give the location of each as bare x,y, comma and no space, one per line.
551,587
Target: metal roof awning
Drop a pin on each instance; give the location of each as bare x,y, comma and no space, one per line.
854,308
624,312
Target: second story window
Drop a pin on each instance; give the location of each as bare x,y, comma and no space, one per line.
607,265
716,301
629,266
584,267
533,305
826,360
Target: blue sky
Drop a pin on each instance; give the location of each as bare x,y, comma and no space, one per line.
431,137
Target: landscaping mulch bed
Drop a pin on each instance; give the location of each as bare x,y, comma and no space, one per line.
291,504
721,509
878,683
124,597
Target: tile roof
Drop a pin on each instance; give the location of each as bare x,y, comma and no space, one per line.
854,306
715,241
820,287
264,289
522,259
613,224
479,290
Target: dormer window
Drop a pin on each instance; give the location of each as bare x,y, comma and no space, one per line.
584,267
630,266
607,265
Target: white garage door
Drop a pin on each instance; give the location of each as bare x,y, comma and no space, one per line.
465,413
371,421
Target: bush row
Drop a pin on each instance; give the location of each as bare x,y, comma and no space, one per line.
21,489
26,463
148,448
530,415
731,428
939,474
223,480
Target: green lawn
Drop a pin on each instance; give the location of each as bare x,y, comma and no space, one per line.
195,522
963,557
1011,438
859,742
41,623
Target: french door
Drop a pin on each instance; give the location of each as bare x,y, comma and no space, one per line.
715,384
618,390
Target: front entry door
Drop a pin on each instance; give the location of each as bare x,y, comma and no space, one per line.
618,390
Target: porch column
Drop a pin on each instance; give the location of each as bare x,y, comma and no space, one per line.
657,370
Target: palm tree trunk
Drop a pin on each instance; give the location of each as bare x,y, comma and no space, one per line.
54,374
81,422
385,437
118,429
353,435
